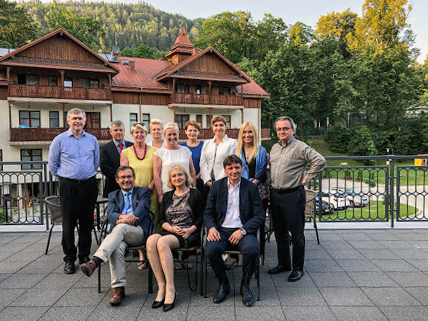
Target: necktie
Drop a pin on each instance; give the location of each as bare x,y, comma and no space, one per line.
127,209
120,148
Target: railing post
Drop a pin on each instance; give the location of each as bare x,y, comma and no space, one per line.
391,189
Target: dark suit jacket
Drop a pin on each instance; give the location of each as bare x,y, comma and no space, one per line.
250,205
109,162
140,202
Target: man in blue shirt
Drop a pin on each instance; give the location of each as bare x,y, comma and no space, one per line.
74,158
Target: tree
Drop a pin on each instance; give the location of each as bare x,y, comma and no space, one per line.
86,29
337,26
16,26
142,51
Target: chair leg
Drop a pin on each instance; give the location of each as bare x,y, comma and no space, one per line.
316,230
205,267
96,236
258,281
99,279
49,238
262,245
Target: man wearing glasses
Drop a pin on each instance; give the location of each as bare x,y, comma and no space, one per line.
289,158
128,212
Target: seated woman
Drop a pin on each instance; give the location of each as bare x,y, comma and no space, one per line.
181,219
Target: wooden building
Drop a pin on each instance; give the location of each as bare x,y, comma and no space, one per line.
42,80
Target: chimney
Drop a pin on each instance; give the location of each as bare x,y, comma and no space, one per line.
132,65
195,51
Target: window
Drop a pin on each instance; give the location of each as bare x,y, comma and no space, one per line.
68,82
93,120
32,155
199,119
132,119
228,120
181,120
53,81
29,118
89,83
224,90
54,119
208,118
182,89
198,89
145,119
32,80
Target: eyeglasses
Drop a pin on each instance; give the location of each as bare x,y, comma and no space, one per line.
283,129
125,177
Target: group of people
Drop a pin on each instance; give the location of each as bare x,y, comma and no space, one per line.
220,182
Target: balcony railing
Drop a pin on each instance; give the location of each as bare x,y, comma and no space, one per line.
47,134
59,92
231,133
208,99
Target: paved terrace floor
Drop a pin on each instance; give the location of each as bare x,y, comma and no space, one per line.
352,275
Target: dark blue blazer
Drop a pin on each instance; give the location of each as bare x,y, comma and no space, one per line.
109,162
140,201
250,205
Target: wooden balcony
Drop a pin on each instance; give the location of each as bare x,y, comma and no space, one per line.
48,134
197,99
59,92
231,133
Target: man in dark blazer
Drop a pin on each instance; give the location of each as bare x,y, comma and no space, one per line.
128,212
110,155
233,215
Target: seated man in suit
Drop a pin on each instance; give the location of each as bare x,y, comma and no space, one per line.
128,212
110,155
233,215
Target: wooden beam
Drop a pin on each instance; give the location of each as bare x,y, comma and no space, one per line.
111,112
140,115
242,116
10,117
63,114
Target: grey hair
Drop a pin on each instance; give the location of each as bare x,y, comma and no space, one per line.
293,125
75,111
116,123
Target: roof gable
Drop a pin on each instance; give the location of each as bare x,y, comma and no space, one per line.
58,46
208,61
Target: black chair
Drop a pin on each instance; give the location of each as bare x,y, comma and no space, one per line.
54,206
310,209
130,249
231,250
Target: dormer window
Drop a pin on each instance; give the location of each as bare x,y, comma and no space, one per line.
224,90
181,89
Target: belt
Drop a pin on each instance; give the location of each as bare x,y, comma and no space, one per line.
288,190
78,181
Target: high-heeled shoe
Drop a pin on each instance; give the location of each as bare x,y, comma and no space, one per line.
169,306
157,304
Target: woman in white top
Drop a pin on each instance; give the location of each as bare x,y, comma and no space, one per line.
156,128
169,155
215,151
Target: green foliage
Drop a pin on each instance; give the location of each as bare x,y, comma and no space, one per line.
337,138
131,24
16,26
86,29
142,51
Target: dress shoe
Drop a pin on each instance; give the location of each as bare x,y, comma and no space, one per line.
84,260
278,269
157,304
295,276
117,297
169,306
88,268
69,268
221,293
247,296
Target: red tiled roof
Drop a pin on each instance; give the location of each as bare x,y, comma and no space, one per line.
182,40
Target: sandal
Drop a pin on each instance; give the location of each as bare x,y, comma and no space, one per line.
142,265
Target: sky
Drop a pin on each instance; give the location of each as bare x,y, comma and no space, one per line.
306,11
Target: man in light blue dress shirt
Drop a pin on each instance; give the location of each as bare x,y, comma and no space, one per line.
74,158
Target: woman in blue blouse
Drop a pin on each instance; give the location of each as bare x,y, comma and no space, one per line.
192,131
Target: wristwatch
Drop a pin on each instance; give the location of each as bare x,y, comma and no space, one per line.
243,231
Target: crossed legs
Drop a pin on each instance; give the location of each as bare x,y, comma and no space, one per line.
160,256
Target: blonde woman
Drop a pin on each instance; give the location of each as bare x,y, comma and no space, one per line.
156,128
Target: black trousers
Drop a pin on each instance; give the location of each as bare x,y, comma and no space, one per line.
77,205
249,248
288,214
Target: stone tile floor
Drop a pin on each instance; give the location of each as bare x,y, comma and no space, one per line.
353,275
